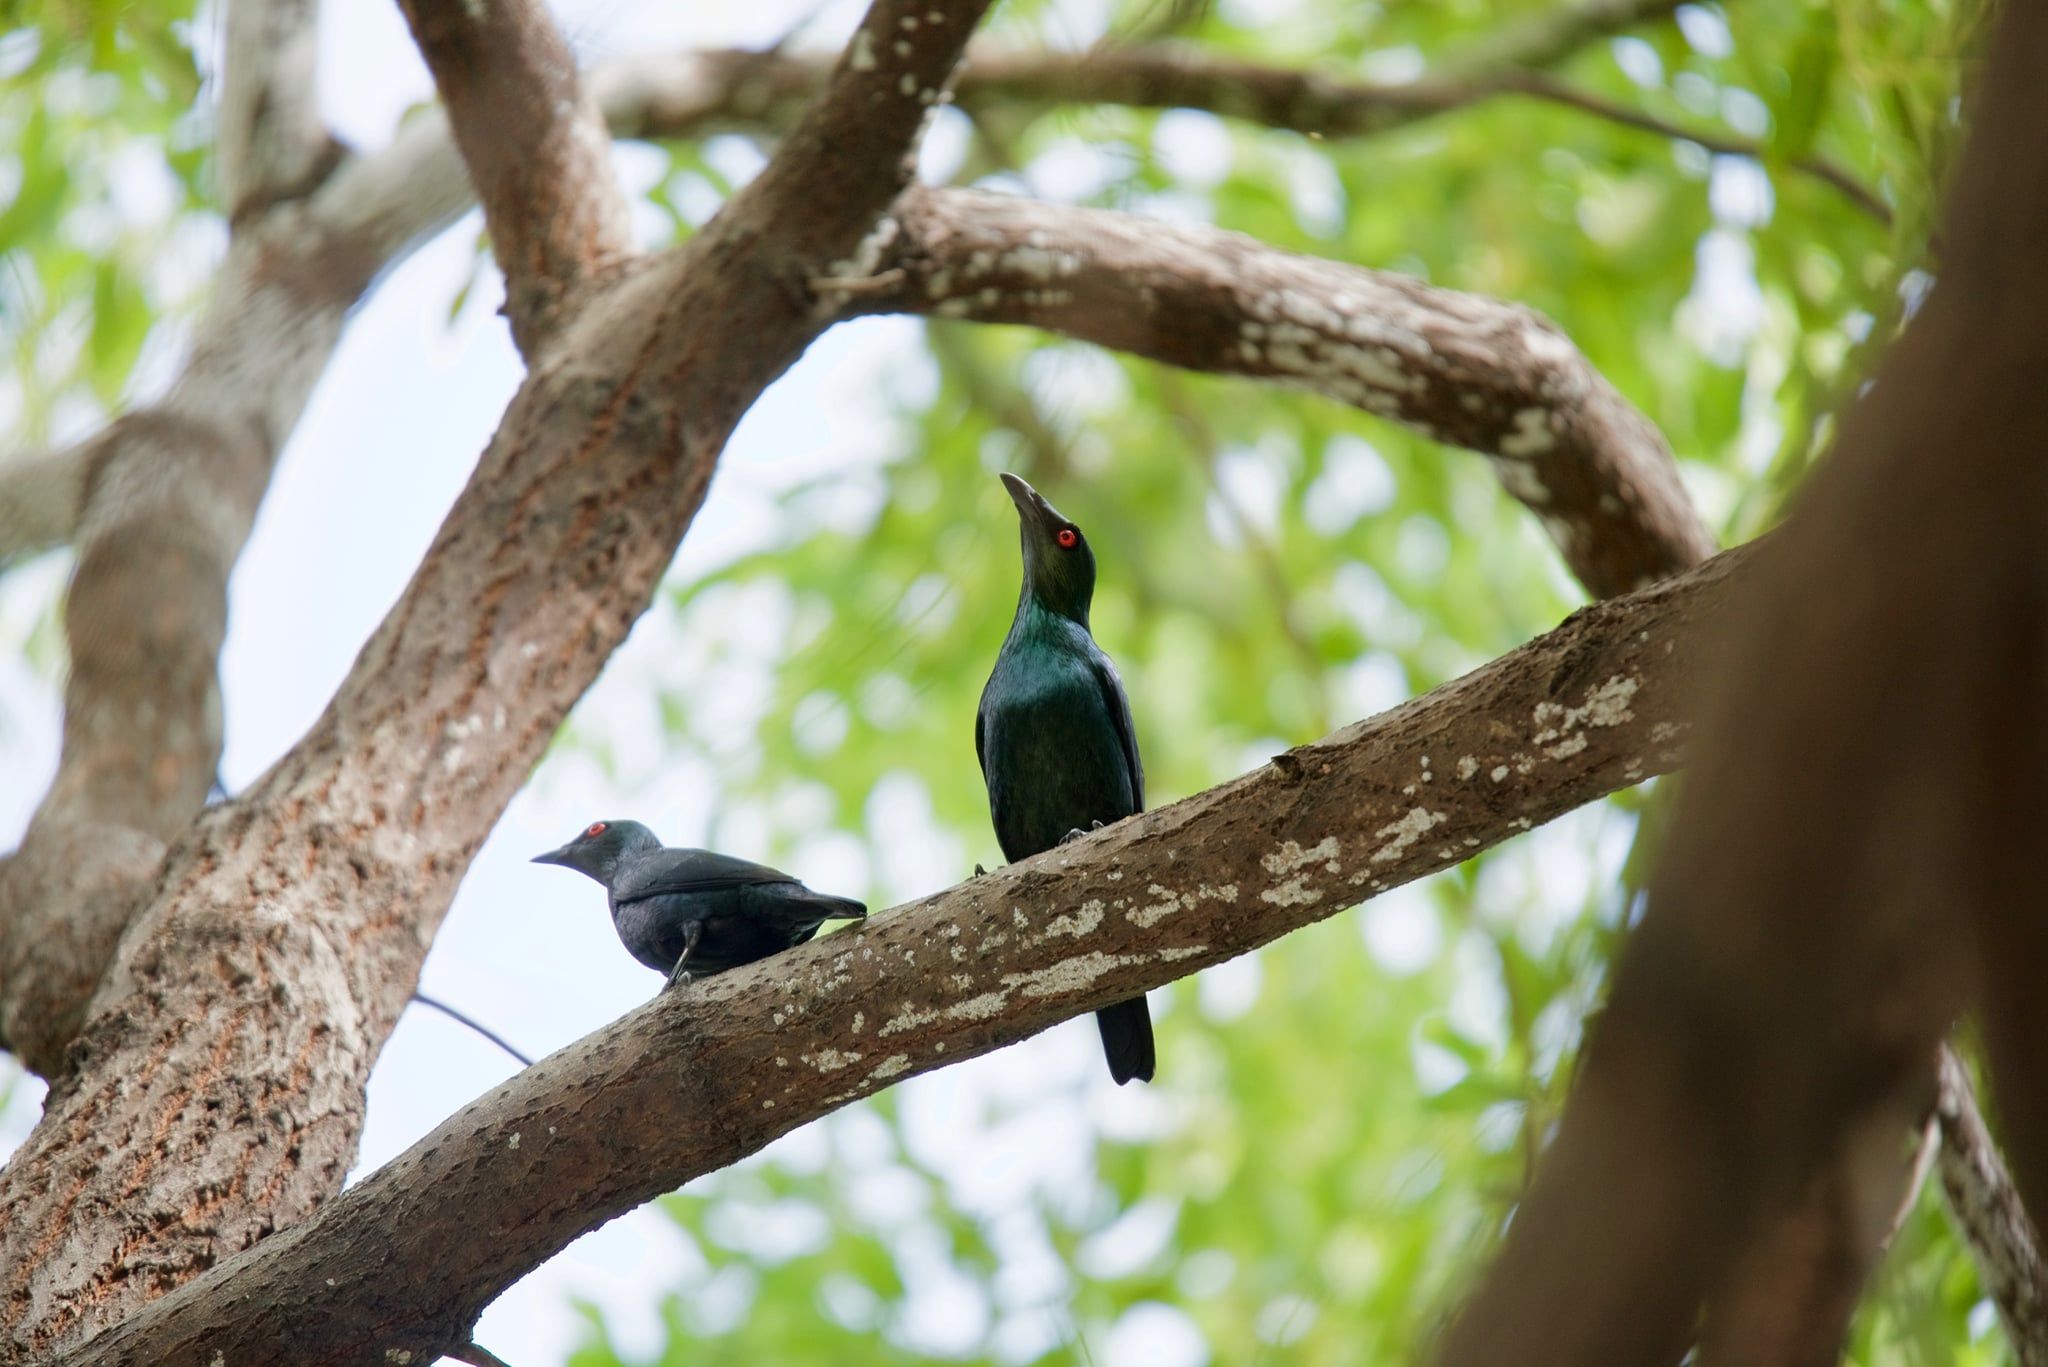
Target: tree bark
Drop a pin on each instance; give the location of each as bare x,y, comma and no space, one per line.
1492,377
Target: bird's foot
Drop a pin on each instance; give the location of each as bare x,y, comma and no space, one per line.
1077,833
980,872
676,980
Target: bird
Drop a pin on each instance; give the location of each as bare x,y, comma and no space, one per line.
685,912
1058,753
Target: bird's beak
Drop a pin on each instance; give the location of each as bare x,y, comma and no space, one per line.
1031,505
560,856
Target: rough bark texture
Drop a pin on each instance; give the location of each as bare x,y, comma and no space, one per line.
1995,1223
1854,854
287,926
535,147
699,1078
1493,377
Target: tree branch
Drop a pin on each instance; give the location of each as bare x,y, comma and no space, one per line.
1987,1208
1493,377
1549,36
535,146
687,94
286,929
696,1079
270,140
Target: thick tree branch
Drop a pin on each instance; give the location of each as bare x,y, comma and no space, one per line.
699,1078
287,927
1987,1207
269,137
1489,376
169,492
1866,798
535,146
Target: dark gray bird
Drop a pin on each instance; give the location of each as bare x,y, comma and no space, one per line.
683,912
1054,734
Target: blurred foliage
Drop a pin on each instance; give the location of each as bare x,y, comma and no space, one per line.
1345,1120
104,220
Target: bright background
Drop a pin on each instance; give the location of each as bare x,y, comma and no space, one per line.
1343,1120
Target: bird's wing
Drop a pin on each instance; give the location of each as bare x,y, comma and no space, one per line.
672,871
1120,717
981,726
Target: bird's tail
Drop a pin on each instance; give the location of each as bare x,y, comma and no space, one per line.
1127,1040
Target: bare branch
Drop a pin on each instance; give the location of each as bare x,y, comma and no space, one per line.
1854,852
850,153
699,1078
1987,1208
1474,372
1546,87
1548,37
535,146
687,94
271,142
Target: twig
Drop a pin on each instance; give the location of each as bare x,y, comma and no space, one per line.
493,1036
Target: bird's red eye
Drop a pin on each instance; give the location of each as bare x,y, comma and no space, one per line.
596,829
1068,538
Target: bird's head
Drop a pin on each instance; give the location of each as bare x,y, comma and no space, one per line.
1059,568
599,847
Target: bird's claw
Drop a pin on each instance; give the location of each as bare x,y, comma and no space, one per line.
677,980
1077,833
980,872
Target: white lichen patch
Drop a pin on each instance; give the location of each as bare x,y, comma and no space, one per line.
1039,264
831,1060
1532,437
1174,956
1078,923
1291,856
1295,892
890,1067
1467,766
1224,892
1146,917
860,1019
1402,834
1500,771
513,1142
1562,729
1069,975
862,58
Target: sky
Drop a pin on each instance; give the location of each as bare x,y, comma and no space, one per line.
410,400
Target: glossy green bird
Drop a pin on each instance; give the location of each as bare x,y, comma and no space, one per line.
1054,735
